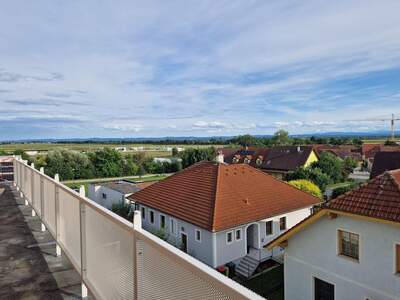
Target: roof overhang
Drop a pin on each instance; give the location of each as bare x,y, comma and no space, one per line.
282,240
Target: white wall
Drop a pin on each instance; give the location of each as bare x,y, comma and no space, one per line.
313,253
95,193
230,252
202,250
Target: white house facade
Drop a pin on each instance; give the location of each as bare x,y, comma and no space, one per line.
223,213
230,245
348,250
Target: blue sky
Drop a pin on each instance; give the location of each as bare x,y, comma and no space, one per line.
183,68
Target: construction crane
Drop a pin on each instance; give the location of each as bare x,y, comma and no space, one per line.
392,121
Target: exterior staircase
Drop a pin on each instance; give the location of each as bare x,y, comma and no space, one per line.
247,266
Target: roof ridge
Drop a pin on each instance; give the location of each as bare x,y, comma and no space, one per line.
394,180
215,197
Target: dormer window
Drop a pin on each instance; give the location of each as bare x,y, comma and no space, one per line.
259,161
235,160
246,160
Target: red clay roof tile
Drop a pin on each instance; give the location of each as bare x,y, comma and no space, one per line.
379,198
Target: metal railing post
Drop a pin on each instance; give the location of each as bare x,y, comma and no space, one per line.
137,224
82,230
42,198
33,190
57,214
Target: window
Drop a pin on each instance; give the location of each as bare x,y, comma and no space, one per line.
323,290
229,237
238,234
104,195
143,213
172,227
282,223
197,235
348,244
268,228
397,258
152,217
162,221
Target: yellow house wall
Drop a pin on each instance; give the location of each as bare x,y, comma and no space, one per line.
311,158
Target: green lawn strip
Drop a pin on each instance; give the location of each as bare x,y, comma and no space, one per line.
337,185
265,283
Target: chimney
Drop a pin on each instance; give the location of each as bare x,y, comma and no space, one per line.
220,157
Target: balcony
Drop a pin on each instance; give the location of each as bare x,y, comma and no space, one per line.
109,257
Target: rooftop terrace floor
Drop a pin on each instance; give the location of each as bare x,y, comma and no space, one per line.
29,268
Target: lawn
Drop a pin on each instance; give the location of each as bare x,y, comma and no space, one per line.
337,185
268,284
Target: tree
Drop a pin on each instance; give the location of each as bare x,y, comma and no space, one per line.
22,153
192,155
307,186
314,175
349,164
331,165
245,140
175,151
107,162
281,137
69,165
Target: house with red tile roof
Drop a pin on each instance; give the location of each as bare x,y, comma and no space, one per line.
276,161
221,213
350,249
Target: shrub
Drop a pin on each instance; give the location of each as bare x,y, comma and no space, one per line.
123,209
307,186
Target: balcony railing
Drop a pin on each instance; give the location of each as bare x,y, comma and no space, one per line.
115,258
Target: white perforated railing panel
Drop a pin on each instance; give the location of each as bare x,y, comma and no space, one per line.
49,202
28,185
36,193
69,226
163,278
109,252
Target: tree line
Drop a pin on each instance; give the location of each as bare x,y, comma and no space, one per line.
102,163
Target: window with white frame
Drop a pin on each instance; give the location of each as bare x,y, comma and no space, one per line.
348,243
162,221
238,234
197,235
173,226
229,237
143,213
152,217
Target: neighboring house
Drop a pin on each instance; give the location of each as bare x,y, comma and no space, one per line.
108,193
368,151
221,213
341,151
349,249
276,161
6,168
385,161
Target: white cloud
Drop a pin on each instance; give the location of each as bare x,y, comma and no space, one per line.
180,68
